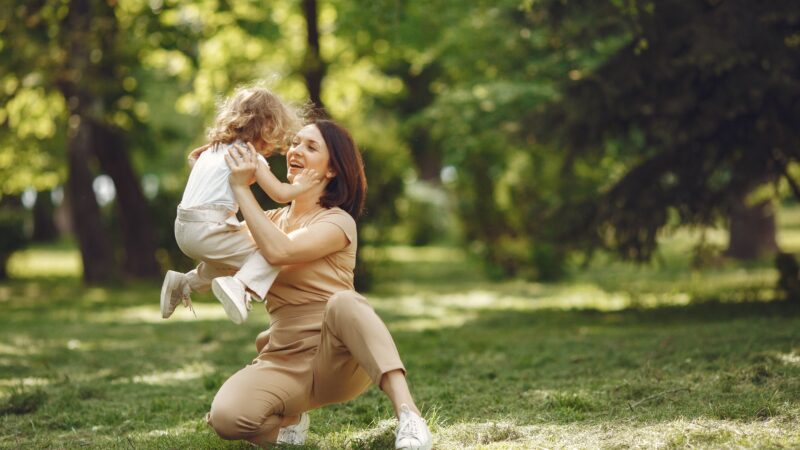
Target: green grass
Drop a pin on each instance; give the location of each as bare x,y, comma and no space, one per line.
615,356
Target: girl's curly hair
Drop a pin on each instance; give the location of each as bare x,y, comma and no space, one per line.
255,114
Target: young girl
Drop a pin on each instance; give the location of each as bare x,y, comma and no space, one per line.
206,227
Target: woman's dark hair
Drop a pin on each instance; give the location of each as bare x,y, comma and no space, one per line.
348,188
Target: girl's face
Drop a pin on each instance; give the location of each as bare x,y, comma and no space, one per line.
308,151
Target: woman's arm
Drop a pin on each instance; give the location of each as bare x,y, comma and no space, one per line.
302,245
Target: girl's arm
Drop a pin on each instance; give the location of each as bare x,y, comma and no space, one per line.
194,154
284,192
278,248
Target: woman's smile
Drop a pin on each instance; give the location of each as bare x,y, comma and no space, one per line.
308,151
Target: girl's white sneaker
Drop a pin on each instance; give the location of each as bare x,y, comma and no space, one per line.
234,298
412,432
174,291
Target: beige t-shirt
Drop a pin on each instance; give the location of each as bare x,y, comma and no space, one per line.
314,281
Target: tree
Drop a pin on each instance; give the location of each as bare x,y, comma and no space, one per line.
469,75
78,50
702,106
313,68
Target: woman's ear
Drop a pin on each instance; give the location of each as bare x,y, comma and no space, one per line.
330,174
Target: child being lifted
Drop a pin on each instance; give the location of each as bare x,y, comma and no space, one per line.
206,227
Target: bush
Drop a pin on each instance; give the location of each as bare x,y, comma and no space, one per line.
12,236
788,276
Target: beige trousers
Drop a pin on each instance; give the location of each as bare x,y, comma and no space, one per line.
315,354
215,236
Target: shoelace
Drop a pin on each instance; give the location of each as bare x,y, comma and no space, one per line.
248,301
187,299
409,428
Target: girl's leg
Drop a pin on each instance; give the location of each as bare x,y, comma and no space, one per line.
199,279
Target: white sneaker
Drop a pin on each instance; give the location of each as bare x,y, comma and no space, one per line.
174,291
295,434
233,296
412,432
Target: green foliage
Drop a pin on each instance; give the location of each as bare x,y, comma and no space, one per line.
700,109
563,126
470,79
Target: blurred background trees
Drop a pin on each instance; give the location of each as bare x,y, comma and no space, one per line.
533,132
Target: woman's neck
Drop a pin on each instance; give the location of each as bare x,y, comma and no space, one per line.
308,200
304,203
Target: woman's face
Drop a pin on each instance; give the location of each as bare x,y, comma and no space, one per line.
308,151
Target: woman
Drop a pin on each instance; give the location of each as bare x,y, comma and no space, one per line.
325,343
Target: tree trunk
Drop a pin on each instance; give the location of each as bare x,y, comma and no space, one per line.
98,261
752,230
44,225
93,240
137,227
427,158
313,67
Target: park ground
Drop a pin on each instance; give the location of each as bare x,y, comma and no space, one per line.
616,355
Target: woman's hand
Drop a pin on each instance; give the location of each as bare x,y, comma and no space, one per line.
243,163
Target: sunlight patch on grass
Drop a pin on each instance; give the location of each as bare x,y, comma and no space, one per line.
152,314
401,253
790,359
789,240
428,311
670,434
45,263
27,381
18,350
188,372
179,430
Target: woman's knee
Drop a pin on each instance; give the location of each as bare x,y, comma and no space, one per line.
243,418
225,422
343,304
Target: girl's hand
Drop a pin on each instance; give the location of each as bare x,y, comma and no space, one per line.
306,179
243,163
194,154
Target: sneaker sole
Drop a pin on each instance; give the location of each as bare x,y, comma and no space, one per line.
170,284
428,446
225,298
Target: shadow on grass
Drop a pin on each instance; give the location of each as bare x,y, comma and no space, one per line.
714,360
524,364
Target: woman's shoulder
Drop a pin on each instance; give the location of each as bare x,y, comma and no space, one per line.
340,218
274,214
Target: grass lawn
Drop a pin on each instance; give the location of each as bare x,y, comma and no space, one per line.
616,356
